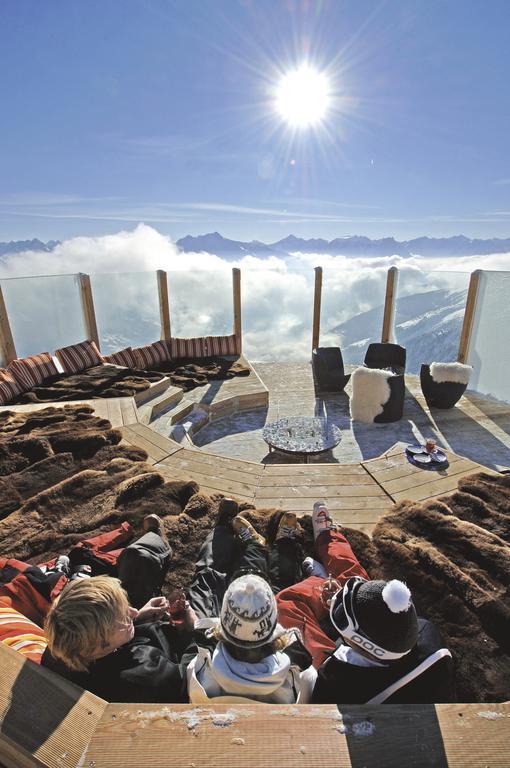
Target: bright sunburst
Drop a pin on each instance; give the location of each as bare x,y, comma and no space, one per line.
303,97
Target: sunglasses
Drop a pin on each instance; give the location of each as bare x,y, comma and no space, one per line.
344,619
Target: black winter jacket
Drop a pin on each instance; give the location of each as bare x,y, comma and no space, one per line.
341,683
151,668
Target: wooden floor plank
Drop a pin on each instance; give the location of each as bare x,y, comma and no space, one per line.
318,478
220,485
429,490
128,410
213,459
224,472
308,736
152,450
309,470
322,491
379,504
429,479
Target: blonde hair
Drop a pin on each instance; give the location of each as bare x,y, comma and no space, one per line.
81,619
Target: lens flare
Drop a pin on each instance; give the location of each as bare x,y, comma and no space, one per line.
303,97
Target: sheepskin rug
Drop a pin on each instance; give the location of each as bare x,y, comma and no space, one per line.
65,476
456,373
454,554
190,373
99,381
370,391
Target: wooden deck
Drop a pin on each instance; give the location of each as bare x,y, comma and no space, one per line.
71,728
357,495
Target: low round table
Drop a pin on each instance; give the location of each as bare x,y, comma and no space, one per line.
302,435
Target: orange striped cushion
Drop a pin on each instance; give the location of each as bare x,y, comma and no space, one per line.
21,634
9,387
77,357
31,371
152,355
222,345
189,347
123,357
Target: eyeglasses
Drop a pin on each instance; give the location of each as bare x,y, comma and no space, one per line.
126,623
346,623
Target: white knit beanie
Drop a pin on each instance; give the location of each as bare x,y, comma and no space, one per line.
249,614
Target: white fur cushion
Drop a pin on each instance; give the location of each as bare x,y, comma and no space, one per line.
453,372
370,391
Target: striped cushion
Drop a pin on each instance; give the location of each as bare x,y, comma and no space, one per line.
21,634
222,345
31,371
79,356
123,357
189,347
152,355
9,387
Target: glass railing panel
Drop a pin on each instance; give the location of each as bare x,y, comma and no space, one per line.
44,312
490,337
277,307
201,303
352,309
429,312
127,309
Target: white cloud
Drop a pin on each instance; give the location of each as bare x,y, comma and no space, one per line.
277,293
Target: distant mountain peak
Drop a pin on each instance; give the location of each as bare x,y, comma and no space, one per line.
346,245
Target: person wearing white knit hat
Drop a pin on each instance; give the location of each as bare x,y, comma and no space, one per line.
250,655
243,651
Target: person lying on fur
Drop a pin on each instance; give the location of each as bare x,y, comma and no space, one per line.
97,639
365,637
244,652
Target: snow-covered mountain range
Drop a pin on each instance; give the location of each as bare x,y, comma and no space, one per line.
19,246
427,324
355,245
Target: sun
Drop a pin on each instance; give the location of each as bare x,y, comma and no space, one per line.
303,97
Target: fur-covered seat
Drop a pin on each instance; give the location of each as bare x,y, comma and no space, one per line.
377,396
443,384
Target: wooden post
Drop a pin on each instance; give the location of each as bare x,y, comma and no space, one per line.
164,307
469,314
236,290
7,348
389,305
87,303
317,296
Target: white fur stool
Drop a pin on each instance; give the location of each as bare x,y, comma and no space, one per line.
377,395
443,384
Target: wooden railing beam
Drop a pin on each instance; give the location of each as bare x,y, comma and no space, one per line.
317,297
469,314
7,348
236,294
164,306
389,305
87,303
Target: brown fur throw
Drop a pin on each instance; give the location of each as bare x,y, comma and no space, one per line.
100,381
188,373
453,553
65,477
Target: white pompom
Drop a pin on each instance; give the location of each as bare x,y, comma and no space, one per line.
396,596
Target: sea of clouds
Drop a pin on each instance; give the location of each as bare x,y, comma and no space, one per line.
277,293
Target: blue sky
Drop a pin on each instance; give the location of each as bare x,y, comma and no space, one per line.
161,111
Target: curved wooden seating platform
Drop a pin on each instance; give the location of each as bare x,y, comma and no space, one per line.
47,721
